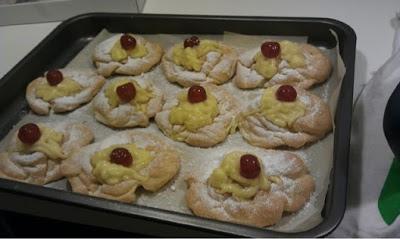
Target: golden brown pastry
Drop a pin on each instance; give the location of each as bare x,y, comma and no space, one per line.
200,116
127,102
285,116
196,61
116,166
35,152
284,62
251,189
126,54
62,90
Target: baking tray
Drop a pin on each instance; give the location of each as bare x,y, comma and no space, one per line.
63,43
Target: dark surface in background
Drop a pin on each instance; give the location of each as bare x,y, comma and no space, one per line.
21,225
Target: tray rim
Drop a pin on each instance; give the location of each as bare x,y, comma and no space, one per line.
338,184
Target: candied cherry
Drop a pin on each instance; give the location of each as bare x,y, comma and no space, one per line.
270,49
191,42
197,94
121,156
286,93
29,133
54,77
195,40
126,92
127,41
249,166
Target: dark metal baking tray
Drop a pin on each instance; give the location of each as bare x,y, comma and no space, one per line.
63,43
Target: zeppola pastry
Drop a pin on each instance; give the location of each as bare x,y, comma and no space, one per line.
35,151
200,116
198,61
285,116
126,54
284,62
116,166
62,90
127,102
251,189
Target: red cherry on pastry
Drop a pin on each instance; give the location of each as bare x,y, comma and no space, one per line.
191,42
126,92
29,133
286,93
54,77
121,156
270,49
195,40
197,94
249,166
188,43
128,42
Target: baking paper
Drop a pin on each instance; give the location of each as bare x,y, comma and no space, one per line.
197,161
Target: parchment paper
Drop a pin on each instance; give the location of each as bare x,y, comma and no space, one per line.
196,161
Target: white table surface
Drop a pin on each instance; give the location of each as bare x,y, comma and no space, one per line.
371,20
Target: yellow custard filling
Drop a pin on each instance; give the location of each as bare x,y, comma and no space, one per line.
194,115
111,173
66,87
118,53
227,179
290,51
140,101
266,67
49,143
192,58
280,113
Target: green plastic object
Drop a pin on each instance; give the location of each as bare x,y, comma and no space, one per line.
389,199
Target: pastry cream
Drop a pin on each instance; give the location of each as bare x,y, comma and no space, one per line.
266,67
111,173
49,143
290,51
227,179
192,58
140,101
66,87
280,113
194,115
118,53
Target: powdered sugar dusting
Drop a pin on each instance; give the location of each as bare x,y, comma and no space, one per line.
276,164
82,76
247,58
